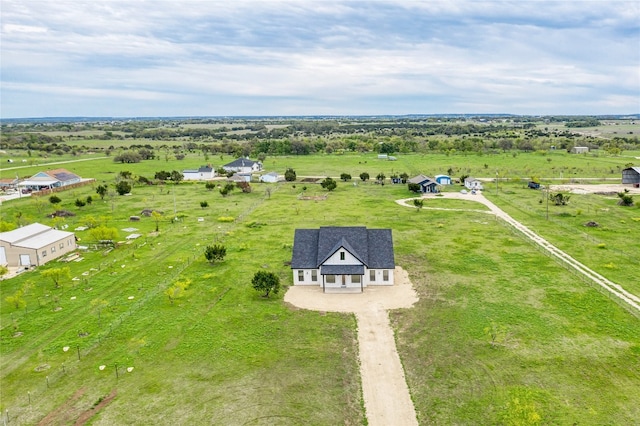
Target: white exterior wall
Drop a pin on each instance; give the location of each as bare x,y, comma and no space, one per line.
349,259
307,278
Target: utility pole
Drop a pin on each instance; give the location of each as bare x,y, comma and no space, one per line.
547,202
496,182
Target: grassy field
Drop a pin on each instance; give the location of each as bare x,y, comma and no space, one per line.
502,333
558,165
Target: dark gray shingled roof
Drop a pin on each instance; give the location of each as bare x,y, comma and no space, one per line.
373,247
241,162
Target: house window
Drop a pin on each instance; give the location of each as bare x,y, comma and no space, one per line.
355,279
341,255
53,249
44,253
385,275
61,246
300,275
331,279
314,275
372,275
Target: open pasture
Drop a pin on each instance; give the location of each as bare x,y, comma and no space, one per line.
502,333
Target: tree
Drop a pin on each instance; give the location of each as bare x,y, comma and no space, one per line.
104,233
123,187
128,157
214,253
268,282
625,198
57,275
414,187
380,178
559,199
80,203
89,199
3,270
176,176
290,175
364,176
157,216
16,300
54,199
328,184
162,175
418,203
177,290
204,204
102,190
345,177
404,177
210,186
244,187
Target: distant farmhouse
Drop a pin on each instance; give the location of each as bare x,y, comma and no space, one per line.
472,183
50,179
579,149
203,173
427,185
631,175
243,165
34,245
343,259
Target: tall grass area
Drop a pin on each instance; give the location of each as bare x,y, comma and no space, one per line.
502,333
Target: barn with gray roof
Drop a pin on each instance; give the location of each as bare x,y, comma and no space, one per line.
345,259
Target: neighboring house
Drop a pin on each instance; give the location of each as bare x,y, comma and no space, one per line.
8,183
203,173
271,177
50,179
472,183
34,245
345,259
427,185
243,165
579,149
443,180
631,175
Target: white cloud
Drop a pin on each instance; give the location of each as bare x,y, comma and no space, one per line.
398,57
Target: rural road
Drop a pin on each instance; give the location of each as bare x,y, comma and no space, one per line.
613,288
386,396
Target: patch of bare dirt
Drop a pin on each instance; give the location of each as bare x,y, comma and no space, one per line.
88,414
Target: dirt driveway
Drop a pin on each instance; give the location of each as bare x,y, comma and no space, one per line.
386,396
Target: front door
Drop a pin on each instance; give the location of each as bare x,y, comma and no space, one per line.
25,260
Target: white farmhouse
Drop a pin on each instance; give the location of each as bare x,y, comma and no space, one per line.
243,165
203,173
473,183
343,259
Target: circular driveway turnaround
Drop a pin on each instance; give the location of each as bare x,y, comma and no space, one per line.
386,396
615,289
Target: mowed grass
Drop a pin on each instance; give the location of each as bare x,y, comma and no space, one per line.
501,331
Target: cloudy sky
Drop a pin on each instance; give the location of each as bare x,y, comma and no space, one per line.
211,58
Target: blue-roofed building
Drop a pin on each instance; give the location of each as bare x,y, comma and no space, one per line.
345,259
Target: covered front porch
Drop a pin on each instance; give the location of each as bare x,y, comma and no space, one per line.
342,278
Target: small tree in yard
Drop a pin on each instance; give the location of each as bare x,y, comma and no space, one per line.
57,275
54,199
210,186
345,177
157,216
328,184
290,175
625,198
268,282
102,190
204,204
80,203
364,176
380,178
418,203
244,187
215,253
16,300
414,187
559,199
123,187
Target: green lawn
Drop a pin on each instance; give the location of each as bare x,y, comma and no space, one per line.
501,332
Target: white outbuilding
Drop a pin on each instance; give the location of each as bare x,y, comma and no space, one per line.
34,245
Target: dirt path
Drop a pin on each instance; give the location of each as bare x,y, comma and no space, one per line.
613,288
386,396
